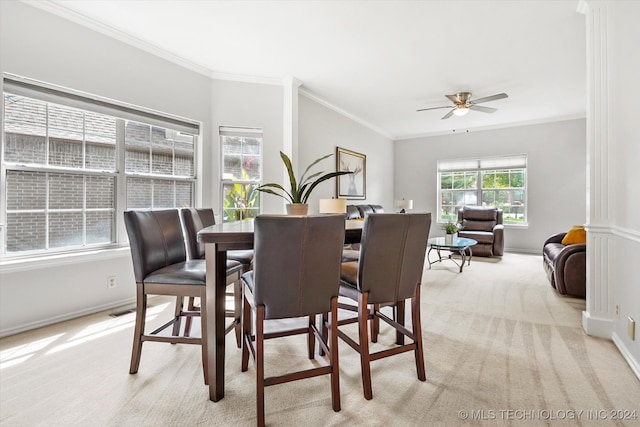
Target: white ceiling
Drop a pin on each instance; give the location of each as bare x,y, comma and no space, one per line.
376,61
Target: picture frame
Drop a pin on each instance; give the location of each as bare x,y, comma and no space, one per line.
352,186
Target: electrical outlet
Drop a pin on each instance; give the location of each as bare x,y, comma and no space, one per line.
617,309
111,282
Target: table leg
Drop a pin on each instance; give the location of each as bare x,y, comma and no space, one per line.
463,255
216,262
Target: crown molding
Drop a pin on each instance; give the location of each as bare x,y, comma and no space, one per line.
112,32
109,31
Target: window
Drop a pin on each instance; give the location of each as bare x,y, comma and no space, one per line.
64,158
496,181
241,172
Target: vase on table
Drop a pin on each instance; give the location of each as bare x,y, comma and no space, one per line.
297,208
450,238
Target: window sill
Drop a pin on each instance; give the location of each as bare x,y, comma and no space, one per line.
38,262
517,226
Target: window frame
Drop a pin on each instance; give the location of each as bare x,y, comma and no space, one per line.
478,166
121,112
225,131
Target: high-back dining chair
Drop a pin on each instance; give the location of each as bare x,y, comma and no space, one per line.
388,272
195,220
296,273
161,267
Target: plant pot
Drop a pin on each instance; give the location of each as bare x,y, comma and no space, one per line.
297,208
450,238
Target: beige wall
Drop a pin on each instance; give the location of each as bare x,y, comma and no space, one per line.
556,174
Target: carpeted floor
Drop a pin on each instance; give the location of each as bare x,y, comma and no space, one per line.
502,348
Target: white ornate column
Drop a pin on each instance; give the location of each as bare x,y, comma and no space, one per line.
598,318
291,87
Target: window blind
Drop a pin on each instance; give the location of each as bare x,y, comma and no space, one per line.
486,163
23,86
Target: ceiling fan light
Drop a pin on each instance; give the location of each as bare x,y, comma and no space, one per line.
460,111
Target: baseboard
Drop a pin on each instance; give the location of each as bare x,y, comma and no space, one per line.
66,316
600,327
523,251
624,351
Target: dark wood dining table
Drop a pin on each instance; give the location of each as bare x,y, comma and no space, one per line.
218,239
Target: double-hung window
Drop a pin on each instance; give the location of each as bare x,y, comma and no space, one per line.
241,172
72,163
491,181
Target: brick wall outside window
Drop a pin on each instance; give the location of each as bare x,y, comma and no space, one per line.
61,174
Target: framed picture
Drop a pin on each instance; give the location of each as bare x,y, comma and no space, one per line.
351,186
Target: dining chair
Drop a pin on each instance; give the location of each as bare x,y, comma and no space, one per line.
387,273
193,221
161,267
296,273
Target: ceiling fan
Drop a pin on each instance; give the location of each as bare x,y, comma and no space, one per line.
463,103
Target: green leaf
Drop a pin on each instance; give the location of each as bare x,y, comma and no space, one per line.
330,175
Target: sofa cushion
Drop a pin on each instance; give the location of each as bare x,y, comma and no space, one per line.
473,225
480,213
551,251
576,235
364,210
352,212
482,237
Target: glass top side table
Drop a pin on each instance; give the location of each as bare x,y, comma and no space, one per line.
460,245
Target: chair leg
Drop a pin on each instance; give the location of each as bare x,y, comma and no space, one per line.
400,317
237,310
187,322
325,332
141,314
333,348
203,339
417,333
365,359
178,311
375,324
260,364
246,333
311,337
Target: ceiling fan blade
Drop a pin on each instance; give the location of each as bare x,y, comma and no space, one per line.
490,98
453,98
433,108
483,109
449,114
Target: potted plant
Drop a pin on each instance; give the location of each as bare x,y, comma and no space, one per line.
451,230
300,189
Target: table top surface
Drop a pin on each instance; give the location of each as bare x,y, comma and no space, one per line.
458,242
241,232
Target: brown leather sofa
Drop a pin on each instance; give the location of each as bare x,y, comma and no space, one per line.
565,265
360,211
484,225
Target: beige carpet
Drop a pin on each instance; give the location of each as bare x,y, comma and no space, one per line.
502,348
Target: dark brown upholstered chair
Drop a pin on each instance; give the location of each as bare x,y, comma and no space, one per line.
193,221
483,224
388,272
296,273
197,219
565,265
161,268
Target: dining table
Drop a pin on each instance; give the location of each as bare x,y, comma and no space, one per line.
218,239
